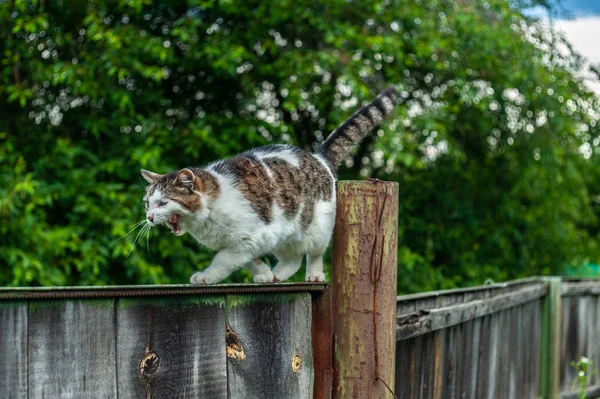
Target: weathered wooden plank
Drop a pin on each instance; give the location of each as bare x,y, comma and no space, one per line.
580,288
484,364
322,344
494,348
405,366
434,319
536,351
551,327
507,348
13,349
171,347
438,366
568,342
452,358
474,361
516,368
275,334
591,392
72,349
593,335
406,307
364,275
580,331
465,358
417,366
596,341
427,356
509,285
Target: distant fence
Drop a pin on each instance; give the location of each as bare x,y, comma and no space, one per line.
511,340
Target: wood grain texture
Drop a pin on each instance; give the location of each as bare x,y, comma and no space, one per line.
275,333
431,319
580,336
171,347
367,211
550,349
13,349
322,344
72,349
494,356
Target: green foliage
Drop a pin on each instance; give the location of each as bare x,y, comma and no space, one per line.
494,143
585,372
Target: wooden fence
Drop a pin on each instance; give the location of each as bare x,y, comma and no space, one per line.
511,340
157,342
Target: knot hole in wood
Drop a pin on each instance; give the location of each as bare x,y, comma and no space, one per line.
296,363
149,365
233,346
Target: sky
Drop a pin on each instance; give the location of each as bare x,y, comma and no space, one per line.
582,29
582,7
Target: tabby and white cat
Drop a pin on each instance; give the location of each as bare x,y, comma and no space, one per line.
277,199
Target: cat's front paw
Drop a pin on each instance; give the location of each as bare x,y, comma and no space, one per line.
315,277
203,278
264,277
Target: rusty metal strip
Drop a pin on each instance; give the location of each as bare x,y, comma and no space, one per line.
146,291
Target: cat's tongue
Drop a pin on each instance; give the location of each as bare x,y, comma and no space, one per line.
174,223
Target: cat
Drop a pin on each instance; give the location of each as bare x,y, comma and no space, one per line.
277,199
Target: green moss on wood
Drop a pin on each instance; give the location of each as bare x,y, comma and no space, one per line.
251,299
174,302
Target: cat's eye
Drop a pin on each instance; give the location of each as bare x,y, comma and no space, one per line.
146,203
163,203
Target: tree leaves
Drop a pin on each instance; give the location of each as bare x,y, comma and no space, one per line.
494,143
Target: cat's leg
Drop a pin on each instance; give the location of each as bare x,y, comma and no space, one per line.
288,265
223,264
260,270
314,267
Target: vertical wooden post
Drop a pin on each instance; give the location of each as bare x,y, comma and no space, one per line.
359,209
322,342
550,351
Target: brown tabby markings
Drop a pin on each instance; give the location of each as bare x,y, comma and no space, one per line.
288,184
317,185
253,181
174,190
338,145
206,183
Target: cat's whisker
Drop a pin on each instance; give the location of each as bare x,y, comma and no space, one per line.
135,226
138,223
148,240
137,237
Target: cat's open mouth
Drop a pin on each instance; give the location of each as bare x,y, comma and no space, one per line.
174,223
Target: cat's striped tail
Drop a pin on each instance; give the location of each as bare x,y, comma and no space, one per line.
341,141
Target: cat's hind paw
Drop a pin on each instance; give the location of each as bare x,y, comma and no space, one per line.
264,277
203,278
315,277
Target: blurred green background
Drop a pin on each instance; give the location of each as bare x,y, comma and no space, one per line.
494,143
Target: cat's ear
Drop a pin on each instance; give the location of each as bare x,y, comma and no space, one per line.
186,178
150,177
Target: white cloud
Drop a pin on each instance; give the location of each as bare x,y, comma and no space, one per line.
584,33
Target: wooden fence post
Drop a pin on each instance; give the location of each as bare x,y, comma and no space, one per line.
364,345
551,315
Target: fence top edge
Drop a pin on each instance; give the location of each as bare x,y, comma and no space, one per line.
435,294
117,291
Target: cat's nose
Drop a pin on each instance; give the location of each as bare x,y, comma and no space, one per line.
150,218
